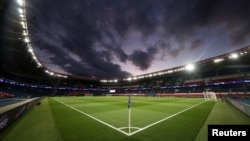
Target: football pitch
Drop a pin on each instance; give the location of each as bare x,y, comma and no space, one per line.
110,119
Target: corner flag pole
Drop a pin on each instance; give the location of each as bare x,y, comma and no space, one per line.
129,120
129,114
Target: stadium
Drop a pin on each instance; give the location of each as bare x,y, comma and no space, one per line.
173,104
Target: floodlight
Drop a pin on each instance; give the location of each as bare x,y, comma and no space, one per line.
23,25
189,67
26,40
234,56
25,33
170,71
20,2
20,10
218,60
39,64
104,81
21,15
34,57
135,78
129,79
30,50
242,53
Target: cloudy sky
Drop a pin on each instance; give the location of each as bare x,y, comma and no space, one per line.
122,38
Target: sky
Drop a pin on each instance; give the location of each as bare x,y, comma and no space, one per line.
122,38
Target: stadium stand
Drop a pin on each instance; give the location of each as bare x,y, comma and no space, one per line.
230,78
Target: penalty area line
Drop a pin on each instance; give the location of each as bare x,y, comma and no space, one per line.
111,126
143,128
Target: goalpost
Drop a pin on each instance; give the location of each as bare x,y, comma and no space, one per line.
210,96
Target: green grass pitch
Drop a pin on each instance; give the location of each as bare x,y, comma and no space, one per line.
107,119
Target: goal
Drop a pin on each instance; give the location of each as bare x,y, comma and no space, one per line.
210,96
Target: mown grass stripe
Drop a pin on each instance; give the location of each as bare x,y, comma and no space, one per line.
111,126
119,129
157,122
36,125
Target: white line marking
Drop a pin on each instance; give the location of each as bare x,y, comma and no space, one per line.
130,127
111,126
164,119
119,129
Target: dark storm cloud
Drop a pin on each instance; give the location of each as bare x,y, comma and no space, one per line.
85,37
118,52
182,19
196,44
143,59
235,18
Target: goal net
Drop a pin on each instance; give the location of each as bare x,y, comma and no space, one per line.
210,96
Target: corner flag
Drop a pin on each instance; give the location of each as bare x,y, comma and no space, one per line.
129,101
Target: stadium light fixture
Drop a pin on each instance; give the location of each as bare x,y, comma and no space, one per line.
218,60
234,56
104,81
129,79
22,16
23,25
34,58
20,2
25,33
51,73
170,71
30,50
160,73
242,53
63,76
135,78
190,67
39,65
20,10
26,40
46,71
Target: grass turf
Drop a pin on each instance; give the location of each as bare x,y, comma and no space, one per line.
35,125
55,120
